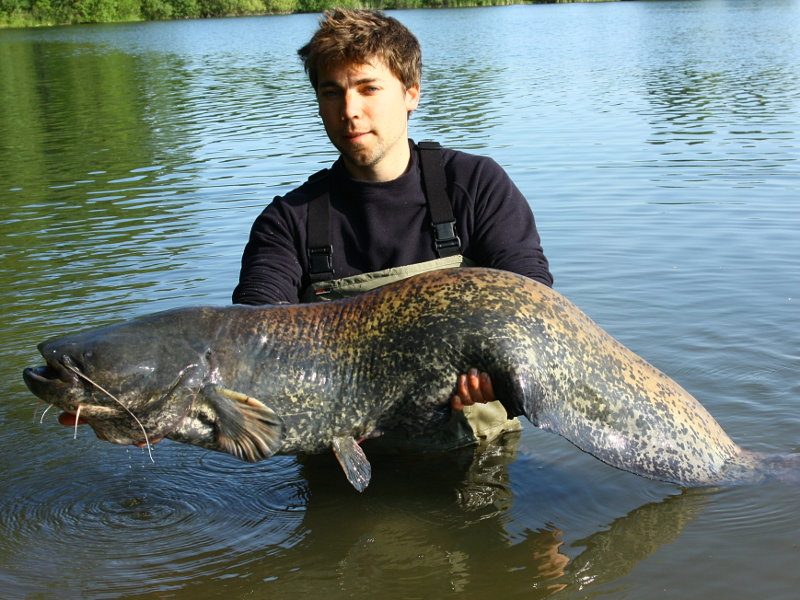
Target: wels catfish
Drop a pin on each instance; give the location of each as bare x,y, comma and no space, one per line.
300,379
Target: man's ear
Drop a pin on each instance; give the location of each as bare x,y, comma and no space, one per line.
412,95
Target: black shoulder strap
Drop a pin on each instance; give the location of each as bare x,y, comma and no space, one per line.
320,250
447,243
442,220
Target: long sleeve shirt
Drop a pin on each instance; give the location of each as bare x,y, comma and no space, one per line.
378,225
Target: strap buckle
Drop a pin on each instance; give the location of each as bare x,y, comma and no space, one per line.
320,260
445,236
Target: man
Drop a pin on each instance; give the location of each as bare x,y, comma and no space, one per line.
367,221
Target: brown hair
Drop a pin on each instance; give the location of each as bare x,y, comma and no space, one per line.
347,36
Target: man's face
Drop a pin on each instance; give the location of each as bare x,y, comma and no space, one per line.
365,112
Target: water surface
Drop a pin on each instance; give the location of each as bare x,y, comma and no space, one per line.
659,145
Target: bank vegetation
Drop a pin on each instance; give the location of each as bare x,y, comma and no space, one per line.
29,13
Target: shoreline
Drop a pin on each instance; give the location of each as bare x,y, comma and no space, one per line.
140,11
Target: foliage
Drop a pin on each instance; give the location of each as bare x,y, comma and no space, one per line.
21,13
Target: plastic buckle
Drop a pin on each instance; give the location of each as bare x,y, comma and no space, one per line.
320,260
445,235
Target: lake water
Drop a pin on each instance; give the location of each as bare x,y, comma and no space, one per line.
659,145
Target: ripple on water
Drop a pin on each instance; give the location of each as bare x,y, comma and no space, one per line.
117,528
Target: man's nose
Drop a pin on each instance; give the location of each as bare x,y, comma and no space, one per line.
352,105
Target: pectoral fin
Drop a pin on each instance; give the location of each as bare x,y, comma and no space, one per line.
353,460
245,427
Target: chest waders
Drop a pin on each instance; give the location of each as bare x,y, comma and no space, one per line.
480,422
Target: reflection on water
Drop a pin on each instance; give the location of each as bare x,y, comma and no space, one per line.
215,523
658,143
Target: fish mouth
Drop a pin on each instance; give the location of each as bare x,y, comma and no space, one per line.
48,374
42,374
58,368
53,382
49,381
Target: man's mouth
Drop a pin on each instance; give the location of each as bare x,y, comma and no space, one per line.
355,136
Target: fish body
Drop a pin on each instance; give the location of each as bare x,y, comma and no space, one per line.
303,379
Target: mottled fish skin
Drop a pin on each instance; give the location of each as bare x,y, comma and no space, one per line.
257,381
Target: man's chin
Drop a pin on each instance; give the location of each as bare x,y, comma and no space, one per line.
360,163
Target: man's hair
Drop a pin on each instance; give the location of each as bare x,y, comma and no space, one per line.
357,37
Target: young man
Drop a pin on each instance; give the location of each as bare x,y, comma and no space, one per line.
367,220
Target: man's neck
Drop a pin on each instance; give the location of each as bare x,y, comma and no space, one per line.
388,169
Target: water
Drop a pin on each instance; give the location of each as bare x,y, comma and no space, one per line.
659,144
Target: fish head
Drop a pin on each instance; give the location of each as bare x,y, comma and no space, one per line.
141,381
131,381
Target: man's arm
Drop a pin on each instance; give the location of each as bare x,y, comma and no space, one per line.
271,272
499,224
506,233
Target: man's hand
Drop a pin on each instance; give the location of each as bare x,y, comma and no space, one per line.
472,388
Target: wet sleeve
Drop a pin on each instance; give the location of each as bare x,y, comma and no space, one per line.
271,272
504,234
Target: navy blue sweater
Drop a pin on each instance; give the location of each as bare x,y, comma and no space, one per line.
376,226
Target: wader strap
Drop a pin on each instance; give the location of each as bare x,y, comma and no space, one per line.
318,231
346,287
446,241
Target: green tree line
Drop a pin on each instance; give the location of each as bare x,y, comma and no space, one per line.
24,13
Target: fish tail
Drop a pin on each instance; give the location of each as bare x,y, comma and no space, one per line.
750,467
